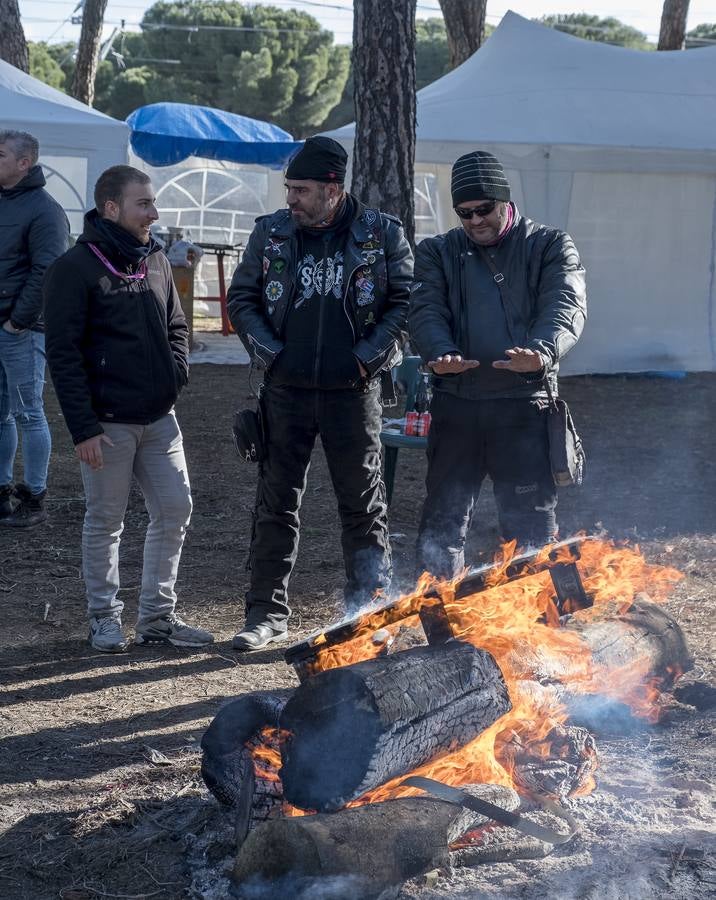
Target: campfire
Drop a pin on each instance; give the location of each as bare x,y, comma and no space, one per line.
424,729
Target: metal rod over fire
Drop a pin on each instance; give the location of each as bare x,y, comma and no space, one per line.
569,596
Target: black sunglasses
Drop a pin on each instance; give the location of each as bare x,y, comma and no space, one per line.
480,211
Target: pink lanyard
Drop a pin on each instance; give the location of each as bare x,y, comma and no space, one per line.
140,274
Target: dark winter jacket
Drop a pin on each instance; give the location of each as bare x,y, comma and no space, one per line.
377,272
34,231
117,349
317,335
545,282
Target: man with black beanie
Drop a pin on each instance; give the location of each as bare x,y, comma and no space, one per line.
497,302
320,301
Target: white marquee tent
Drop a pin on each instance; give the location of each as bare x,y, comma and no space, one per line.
76,142
616,146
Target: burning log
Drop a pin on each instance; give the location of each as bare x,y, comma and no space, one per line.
376,845
562,765
645,632
428,605
631,654
352,729
228,766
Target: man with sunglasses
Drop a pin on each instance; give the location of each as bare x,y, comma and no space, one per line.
496,303
117,347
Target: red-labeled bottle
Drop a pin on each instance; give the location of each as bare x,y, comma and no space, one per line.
424,421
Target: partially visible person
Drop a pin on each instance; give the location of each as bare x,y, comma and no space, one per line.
497,303
117,347
33,232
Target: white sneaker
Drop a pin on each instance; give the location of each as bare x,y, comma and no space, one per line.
105,633
170,629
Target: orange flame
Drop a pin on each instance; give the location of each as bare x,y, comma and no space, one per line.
265,748
515,619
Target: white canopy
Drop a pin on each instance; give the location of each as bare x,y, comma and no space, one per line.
76,142
616,146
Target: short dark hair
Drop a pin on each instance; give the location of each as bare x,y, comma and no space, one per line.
24,145
112,182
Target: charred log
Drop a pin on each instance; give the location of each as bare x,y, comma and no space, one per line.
228,766
493,845
354,728
561,765
644,632
639,646
374,846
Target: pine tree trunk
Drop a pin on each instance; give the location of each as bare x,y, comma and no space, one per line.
13,46
465,26
384,94
88,51
673,25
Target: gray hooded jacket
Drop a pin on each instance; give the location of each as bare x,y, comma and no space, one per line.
33,232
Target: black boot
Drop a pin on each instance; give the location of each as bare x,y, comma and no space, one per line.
7,492
29,511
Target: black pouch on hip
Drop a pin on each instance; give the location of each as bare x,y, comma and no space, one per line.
249,433
566,453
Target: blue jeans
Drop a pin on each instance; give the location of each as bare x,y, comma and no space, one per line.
153,455
22,378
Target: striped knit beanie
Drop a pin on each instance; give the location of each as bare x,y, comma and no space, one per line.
478,176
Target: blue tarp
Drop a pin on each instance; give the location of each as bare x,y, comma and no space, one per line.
166,133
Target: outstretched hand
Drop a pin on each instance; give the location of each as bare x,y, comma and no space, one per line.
452,364
520,360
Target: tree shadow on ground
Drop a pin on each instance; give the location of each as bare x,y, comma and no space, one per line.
112,670
86,748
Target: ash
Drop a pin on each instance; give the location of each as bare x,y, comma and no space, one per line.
647,833
210,857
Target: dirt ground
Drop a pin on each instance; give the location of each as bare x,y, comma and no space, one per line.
101,794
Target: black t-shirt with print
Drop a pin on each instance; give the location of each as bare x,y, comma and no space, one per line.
318,337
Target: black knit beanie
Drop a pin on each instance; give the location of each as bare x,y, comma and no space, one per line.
478,176
320,159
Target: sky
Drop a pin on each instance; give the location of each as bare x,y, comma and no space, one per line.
50,20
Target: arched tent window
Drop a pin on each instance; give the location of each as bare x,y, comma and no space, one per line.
212,205
427,221
63,174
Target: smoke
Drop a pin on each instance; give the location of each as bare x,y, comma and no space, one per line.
369,572
297,887
604,716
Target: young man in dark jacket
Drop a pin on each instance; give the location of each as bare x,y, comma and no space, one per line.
33,232
117,347
320,301
496,304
